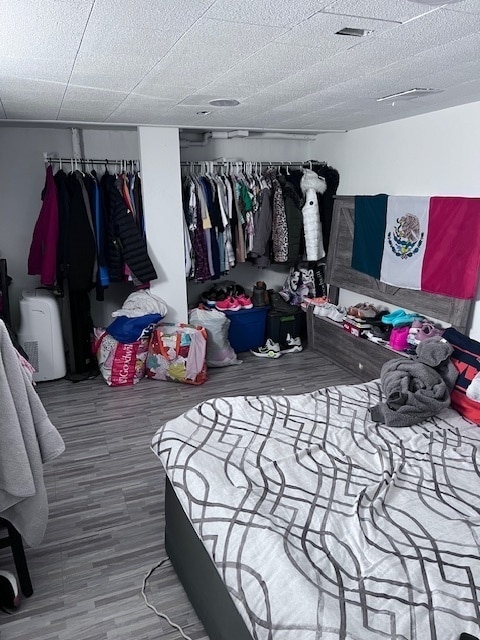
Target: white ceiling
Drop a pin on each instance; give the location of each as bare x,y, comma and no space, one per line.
161,61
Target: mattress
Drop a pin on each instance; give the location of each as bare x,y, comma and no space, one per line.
323,524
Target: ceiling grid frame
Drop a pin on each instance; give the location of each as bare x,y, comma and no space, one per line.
284,63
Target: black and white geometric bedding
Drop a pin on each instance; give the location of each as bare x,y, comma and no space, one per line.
324,525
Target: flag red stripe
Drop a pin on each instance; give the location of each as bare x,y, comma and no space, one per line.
452,254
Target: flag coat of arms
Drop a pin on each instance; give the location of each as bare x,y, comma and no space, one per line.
424,243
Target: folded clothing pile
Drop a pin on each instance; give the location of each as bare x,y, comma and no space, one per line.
416,389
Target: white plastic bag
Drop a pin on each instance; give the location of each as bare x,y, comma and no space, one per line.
216,323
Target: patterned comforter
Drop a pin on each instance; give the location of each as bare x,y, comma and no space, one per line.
323,524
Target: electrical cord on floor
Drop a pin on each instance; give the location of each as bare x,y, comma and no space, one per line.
150,606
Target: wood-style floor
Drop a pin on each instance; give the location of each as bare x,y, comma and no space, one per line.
106,496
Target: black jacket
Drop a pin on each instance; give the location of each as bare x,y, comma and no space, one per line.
126,242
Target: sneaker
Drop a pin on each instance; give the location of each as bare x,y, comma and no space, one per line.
229,304
244,301
270,349
428,330
292,345
329,310
210,298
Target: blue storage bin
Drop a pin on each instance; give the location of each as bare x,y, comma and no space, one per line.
247,328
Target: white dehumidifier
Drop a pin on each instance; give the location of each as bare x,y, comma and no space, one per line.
40,334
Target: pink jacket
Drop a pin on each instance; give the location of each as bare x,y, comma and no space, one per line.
42,259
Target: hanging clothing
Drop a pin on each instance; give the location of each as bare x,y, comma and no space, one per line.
279,223
63,227
246,216
260,252
312,184
127,242
42,259
294,218
80,245
326,200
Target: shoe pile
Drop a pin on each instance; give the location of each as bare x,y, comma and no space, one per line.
232,298
363,310
422,329
307,302
272,349
329,310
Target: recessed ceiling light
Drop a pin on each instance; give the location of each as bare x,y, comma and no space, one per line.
224,102
408,94
351,31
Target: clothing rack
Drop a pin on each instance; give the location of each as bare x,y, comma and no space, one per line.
124,164
223,162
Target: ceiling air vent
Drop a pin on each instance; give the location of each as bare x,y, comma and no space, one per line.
356,33
409,94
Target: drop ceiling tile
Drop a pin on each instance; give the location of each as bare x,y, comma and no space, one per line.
399,10
320,30
50,69
470,6
268,66
185,52
413,38
266,12
84,103
434,29
20,95
211,49
119,72
32,29
156,86
139,27
140,105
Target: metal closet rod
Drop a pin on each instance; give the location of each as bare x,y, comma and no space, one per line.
277,163
104,161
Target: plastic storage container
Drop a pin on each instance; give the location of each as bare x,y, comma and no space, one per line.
280,323
247,328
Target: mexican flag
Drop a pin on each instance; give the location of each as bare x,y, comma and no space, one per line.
418,242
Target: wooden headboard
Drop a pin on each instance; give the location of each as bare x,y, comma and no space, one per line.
340,275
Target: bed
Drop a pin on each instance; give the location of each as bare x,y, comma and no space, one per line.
330,528
298,518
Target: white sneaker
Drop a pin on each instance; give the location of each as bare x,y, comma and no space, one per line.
329,310
292,345
270,349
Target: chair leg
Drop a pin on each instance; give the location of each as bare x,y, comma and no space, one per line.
20,560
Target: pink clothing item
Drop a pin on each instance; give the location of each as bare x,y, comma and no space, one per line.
197,354
42,259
